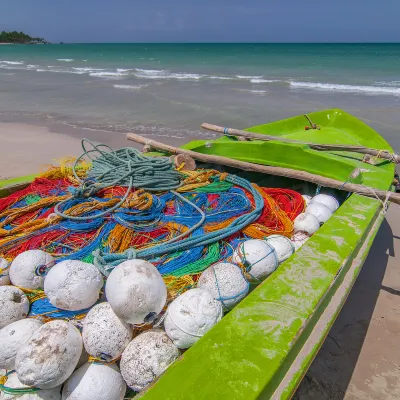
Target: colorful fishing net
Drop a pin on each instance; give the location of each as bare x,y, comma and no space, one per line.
206,205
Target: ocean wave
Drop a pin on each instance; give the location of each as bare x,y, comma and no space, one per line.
346,88
252,91
248,77
88,69
123,70
107,74
256,80
391,83
222,78
65,59
130,87
163,74
12,62
31,66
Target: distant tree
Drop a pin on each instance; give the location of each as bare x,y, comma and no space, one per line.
19,37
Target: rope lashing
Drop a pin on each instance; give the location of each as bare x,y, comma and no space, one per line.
105,261
122,167
312,125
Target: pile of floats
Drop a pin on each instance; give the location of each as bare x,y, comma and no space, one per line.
131,329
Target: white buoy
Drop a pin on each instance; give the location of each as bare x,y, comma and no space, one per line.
14,305
306,223
105,336
307,199
282,245
298,239
326,200
190,316
50,355
73,285
136,291
147,357
321,211
95,381
13,337
4,272
225,281
26,266
258,257
14,383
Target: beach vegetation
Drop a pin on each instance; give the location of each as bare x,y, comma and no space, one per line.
19,38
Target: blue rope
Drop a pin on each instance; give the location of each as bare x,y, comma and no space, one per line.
106,261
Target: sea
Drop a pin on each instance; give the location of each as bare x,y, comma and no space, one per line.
170,89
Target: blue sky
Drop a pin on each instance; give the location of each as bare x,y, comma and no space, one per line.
205,20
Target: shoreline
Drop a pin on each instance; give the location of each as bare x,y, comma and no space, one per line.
31,144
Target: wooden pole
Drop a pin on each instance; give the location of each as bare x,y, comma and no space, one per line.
315,146
266,169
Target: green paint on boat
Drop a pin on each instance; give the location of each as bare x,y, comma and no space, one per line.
263,347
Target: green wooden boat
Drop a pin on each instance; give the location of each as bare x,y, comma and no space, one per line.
264,346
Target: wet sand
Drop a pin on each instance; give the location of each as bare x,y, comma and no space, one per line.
359,359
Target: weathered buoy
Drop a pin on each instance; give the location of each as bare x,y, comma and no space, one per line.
50,355
4,272
14,305
136,291
73,285
225,281
14,383
190,316
95,381
146,357
257,256
307,199
282,245
321,211
26,268
306,223
13,337
326,200
298,239
105,336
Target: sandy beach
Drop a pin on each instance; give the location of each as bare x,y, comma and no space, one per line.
359,359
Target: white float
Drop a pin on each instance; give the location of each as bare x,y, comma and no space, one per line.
14,305
147,357
25,267
298,239
136,291
326,200
73,285
307,199
225,281
319,210
258,257
190,316
14,383
13,337
282,245
50,355
95,381
105,336
4,272
306,223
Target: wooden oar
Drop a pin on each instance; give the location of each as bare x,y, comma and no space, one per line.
321,147
382,195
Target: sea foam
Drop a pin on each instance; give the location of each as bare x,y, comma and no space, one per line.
65,59
12,62
347,88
